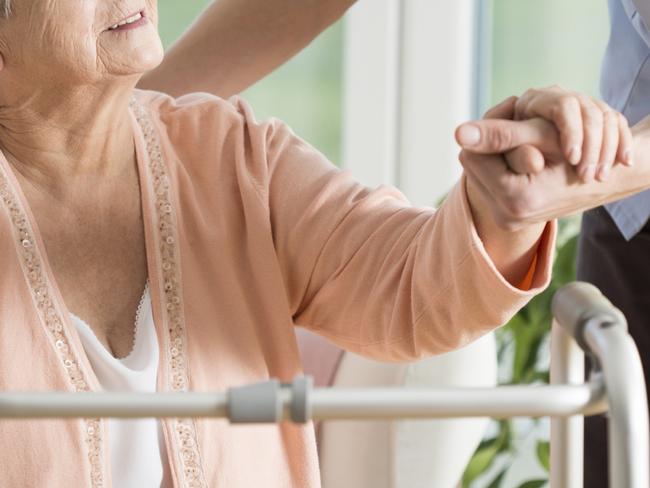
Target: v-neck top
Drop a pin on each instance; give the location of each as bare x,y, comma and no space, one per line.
137,448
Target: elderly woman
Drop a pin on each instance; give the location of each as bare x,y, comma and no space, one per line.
218,234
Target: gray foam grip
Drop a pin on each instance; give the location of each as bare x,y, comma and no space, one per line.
300,399
576,303
258,403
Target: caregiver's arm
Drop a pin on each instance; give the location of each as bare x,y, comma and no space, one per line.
234,43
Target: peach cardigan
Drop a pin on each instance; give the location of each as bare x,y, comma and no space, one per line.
249,232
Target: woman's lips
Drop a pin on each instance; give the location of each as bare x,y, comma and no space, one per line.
132,22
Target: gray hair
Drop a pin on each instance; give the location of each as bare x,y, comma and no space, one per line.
5,8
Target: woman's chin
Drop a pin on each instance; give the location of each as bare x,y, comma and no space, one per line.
132,52
138,62
150,60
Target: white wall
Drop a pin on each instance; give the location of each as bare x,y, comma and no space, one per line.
371,90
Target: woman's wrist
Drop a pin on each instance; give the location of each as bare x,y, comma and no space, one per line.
511,251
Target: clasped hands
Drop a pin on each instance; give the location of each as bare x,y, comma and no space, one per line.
548,154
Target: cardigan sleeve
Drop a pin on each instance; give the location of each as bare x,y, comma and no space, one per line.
369,271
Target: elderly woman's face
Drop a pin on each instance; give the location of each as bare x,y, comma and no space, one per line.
81,40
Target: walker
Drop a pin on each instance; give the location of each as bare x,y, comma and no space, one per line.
584,322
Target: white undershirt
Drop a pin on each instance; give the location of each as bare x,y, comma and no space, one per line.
137,449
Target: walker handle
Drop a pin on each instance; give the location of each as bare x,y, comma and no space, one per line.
575,304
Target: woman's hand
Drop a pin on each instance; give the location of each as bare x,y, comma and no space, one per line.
515,200
593,136
511,247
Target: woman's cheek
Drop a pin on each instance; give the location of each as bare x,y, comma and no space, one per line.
152,9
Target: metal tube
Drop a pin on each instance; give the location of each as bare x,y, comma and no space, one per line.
601,330
628,409
567,433
500,402
118,405
327,403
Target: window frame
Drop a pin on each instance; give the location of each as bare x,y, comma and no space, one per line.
412,73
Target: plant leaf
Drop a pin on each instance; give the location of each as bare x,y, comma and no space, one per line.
496,482
564,268
481,461
527,339
543,454
540,376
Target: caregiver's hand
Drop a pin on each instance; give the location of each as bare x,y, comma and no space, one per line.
534,140
516,201
593,136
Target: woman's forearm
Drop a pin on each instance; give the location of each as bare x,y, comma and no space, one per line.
237,42
512,252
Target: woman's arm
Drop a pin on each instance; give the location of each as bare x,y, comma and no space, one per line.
378,276
234,43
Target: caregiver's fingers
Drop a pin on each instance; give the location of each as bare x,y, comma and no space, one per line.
625,141
617,142
561,107
491,136
593,121
610,142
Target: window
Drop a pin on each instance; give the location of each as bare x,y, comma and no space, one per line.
537,44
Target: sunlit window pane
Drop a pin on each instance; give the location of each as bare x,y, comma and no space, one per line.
549,42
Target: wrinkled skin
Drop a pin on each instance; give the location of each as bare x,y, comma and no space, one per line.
67,41
61,64
65,129
64,73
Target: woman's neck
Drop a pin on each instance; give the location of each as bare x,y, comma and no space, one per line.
53,141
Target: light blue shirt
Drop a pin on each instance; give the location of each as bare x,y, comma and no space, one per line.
625,85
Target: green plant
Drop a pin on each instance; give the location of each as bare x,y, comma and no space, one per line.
525,339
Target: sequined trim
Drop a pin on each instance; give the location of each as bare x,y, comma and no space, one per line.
51,317
169,259
138,318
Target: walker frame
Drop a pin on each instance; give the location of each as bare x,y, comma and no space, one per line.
584,322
